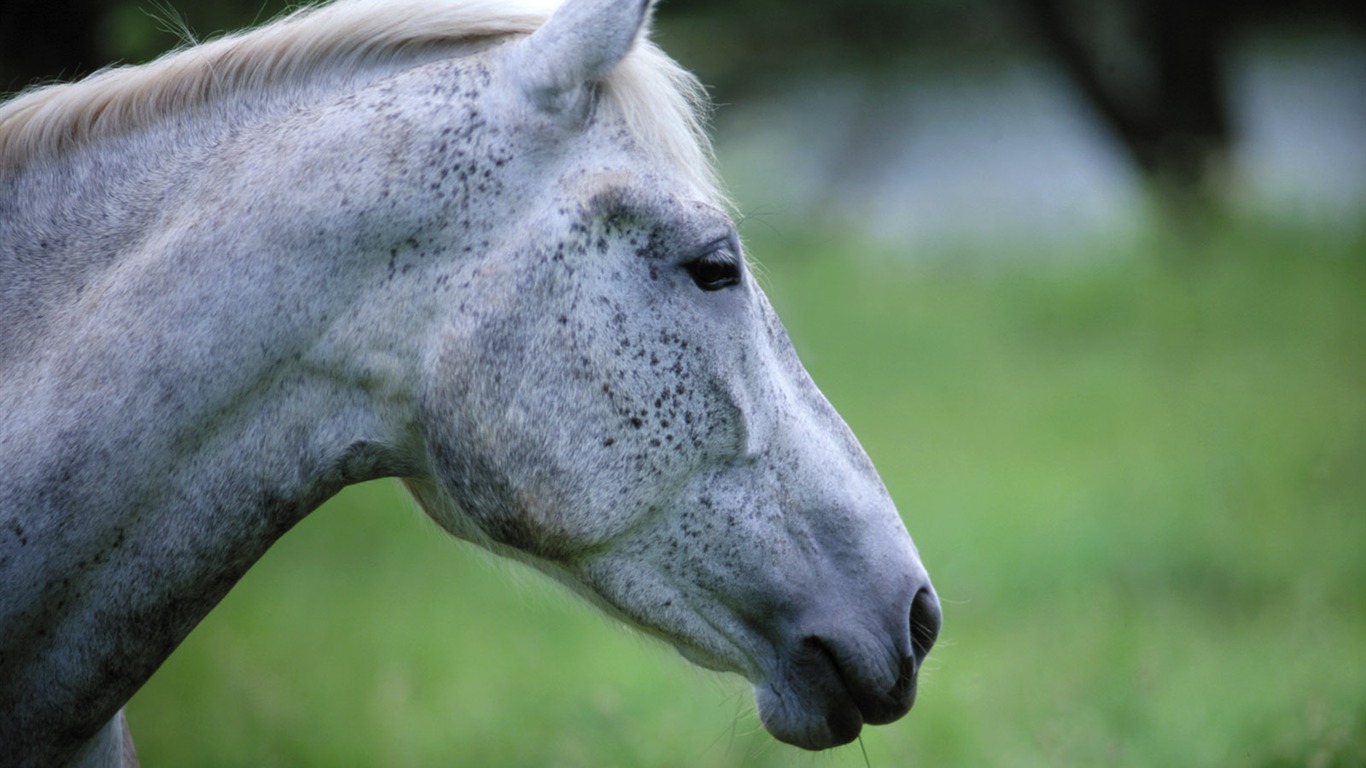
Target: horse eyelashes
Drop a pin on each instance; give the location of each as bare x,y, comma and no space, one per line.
715,271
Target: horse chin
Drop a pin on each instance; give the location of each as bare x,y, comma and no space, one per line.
810,711
810,725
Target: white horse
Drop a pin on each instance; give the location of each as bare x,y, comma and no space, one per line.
451,242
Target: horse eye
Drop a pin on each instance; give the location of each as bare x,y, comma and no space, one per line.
716,270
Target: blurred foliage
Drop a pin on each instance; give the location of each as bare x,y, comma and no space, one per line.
50,39
1151,69
45,40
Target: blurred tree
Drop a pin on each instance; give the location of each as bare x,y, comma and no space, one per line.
1159,86
1155,72
1152,69
46,39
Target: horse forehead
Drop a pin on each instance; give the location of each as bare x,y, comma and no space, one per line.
468,105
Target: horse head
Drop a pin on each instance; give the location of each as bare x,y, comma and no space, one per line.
623,410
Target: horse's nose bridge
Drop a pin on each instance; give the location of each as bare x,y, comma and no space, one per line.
809,424
831,490
869,573
871,569
833,481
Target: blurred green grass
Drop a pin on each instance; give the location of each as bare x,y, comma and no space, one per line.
1137,474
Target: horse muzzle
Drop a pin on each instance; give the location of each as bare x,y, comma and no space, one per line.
835,675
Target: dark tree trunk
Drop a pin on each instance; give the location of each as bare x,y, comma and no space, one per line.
41,40
1173,122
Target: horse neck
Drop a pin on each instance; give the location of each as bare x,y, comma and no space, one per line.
64,220
173,406
67,215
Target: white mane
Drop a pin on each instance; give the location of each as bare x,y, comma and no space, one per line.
665,106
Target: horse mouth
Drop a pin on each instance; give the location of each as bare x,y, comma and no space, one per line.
826,689
821,703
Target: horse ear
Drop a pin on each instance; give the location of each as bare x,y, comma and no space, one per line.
578,46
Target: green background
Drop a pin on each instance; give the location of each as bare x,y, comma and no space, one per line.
1137,480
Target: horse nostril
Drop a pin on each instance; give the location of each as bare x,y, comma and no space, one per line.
926,618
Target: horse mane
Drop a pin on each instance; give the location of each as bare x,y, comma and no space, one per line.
664,105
